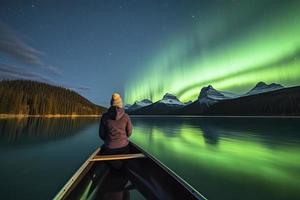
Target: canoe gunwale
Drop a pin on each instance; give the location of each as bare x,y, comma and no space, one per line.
195,193
79,174
87,165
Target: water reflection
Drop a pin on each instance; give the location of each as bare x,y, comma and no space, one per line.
39,155
257,158
223,158
32,129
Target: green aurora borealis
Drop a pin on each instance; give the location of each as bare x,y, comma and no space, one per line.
231,47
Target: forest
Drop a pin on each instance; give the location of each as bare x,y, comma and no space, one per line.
28,97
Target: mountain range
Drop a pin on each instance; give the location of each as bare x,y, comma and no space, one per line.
262,99
169,103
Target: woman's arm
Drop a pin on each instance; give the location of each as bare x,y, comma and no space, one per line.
128,127
102,129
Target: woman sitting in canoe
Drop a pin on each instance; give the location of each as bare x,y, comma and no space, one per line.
115,128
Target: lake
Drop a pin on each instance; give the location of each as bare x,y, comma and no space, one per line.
223,158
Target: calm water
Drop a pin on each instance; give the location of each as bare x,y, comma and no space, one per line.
223,158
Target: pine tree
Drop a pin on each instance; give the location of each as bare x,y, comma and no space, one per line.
36,98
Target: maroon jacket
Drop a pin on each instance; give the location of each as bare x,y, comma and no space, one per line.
115,128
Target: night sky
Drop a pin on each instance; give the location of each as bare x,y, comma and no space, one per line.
145,48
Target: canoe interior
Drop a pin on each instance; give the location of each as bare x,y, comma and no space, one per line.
138,178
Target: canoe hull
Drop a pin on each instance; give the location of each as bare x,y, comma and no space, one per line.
139,176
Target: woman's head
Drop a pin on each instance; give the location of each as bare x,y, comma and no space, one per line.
116,100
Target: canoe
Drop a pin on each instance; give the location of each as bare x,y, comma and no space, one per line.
137,175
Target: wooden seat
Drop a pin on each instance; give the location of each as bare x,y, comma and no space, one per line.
117,157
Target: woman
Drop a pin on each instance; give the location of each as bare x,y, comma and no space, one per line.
115,128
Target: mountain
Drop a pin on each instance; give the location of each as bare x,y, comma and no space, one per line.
168,104
188,102
262,87
284,101
263,99
36,98
280,102
209,95
171,100
138,104
127,106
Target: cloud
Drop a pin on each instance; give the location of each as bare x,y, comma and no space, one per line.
85,88
13,46
79,88
12,72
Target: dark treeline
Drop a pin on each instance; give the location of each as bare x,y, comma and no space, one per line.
36,98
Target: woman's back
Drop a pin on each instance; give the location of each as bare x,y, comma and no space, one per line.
115,125
115,128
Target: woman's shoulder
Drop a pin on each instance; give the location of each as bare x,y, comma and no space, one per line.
104,116
126,116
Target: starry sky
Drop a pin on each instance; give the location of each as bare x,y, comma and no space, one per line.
145,48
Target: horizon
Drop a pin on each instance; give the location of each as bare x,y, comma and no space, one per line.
191,100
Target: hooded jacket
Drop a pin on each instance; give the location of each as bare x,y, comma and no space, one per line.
115,128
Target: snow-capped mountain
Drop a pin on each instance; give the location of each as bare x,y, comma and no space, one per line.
127,106
214,102
209,95
168,104
262,87
138,104
171,99
144,102
188,103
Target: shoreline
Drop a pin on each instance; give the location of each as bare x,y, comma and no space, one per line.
220,116
2,116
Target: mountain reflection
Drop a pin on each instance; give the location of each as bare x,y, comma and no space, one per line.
227,150
32,129
210,129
